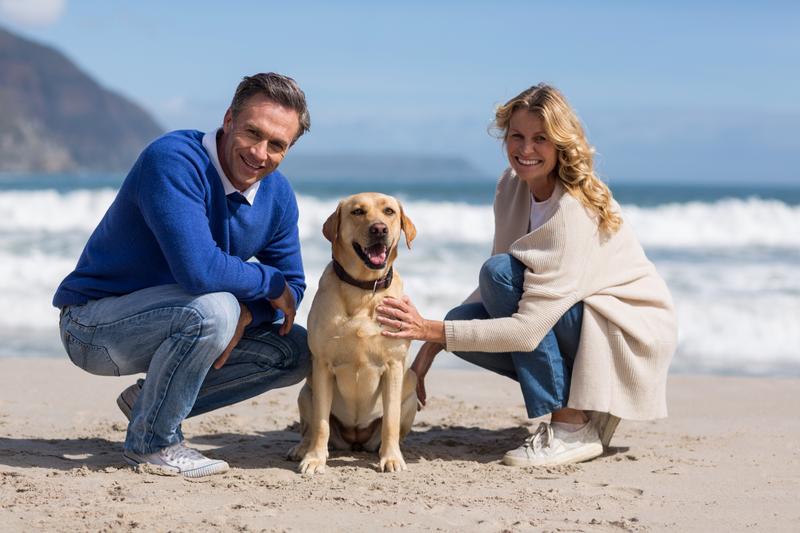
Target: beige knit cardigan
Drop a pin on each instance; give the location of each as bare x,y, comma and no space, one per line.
629,330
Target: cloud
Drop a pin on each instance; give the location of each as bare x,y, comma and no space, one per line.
175,105
32,12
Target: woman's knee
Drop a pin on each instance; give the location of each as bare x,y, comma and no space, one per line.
501,270
501,281
468,311
457,313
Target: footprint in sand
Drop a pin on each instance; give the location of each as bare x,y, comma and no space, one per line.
613,489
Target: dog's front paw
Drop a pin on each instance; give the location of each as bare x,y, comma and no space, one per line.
313,463
297,452
392,461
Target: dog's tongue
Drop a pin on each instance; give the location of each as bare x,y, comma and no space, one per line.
376,254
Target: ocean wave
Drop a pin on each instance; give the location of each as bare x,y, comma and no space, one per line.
725,223
732,265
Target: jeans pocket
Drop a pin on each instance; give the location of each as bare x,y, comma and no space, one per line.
91,358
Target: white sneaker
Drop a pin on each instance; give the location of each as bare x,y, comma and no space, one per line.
549,447
179,459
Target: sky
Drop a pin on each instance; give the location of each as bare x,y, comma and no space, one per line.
685,92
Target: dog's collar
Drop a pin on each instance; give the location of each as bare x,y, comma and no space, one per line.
372,285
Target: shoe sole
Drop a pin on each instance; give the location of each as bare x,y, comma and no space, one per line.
578,455
607,425
208,470
163,468
124,407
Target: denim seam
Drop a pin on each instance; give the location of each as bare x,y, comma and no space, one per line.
282,347
137,316
150,424
73,340
255,376
285,350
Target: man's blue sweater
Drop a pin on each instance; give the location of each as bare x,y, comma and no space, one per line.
172,223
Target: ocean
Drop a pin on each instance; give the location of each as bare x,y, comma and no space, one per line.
730,255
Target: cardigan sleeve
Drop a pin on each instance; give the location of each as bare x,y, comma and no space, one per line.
475,295
556,256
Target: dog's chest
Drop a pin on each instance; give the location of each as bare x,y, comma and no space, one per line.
357,340
343,330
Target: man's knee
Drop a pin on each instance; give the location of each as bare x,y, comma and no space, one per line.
217,315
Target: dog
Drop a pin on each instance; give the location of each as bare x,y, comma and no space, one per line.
359,394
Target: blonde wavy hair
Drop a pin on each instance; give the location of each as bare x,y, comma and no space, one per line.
575,167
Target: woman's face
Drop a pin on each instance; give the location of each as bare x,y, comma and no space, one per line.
531,154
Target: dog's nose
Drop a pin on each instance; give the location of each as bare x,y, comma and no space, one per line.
378,229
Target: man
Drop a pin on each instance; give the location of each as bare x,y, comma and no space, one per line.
164,285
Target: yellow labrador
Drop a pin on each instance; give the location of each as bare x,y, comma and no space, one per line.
359,394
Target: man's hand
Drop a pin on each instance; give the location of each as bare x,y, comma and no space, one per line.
245,317
422,363
285,302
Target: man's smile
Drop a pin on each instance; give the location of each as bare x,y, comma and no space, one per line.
249,164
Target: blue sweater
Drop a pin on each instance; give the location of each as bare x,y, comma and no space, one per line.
172,223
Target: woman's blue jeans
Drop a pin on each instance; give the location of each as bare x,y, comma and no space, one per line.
543,374
175,337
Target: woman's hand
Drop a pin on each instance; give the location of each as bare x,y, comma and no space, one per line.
407,322
422,363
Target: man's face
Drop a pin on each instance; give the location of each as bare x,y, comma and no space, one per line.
255,141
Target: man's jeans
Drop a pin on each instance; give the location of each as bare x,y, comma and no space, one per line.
543,374
175,337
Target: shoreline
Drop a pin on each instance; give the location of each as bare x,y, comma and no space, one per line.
735,465
446,361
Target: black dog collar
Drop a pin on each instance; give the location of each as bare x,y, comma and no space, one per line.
373,285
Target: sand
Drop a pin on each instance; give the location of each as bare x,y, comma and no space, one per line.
727,459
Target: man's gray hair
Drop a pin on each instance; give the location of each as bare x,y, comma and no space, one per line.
280,89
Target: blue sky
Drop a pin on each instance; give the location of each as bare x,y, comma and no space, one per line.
672,91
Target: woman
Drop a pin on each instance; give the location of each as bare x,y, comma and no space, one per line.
568,305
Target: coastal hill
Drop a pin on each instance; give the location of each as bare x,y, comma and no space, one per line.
55,118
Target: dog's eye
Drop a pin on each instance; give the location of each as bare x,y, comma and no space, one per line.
388,211
358,212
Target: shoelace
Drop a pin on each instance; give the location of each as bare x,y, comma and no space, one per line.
541,438
181,453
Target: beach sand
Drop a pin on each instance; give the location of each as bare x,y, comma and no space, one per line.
727,459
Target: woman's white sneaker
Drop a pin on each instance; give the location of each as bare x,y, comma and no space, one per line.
549,446
179,459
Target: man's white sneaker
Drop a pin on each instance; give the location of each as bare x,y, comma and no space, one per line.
550,446
179,459
127,399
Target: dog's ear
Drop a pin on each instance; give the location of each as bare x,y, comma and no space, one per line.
408,227
330,229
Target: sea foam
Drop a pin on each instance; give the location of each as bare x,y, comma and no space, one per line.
733,267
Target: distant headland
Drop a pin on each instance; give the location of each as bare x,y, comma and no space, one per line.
55,118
